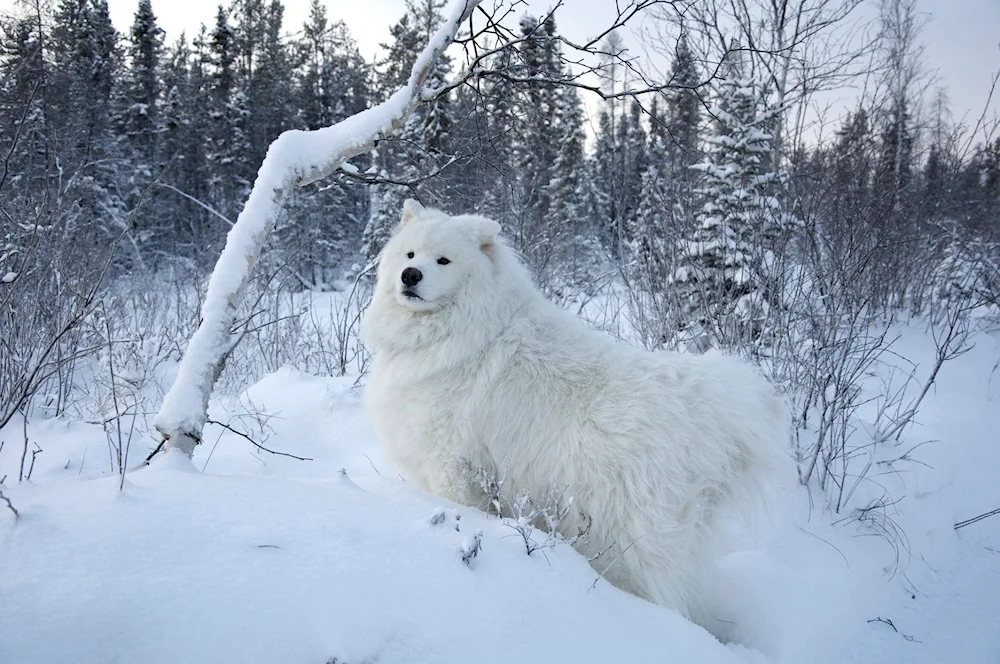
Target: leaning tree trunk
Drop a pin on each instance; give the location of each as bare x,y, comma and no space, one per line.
294,159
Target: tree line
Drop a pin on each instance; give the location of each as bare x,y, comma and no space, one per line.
113,132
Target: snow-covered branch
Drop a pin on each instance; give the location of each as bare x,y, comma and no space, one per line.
296,158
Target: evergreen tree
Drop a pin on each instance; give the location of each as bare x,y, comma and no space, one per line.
683,111
629,165
567,217
85,62
664,206
192,132
723,279
239,152
181,150
565,189
536,150
138,101
893,217
851,186
179,90
401,51
493,134
333,78
264,74
618,163
142,85
896,158
320,235
227,178
648,254
602,189
22,109
980,193
935,185
423,142
221,57
83,44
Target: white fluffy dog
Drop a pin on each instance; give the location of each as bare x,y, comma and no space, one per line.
475,369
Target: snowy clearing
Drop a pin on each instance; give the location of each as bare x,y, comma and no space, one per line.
247,556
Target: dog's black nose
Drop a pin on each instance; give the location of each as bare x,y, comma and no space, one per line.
411,276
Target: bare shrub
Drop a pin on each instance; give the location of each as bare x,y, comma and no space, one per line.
315,332
828,342
537,521
50,287
135,335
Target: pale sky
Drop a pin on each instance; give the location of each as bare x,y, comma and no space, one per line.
962,40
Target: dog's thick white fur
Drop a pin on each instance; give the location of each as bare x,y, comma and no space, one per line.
475,369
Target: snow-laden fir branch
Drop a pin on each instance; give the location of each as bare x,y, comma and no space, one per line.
296,158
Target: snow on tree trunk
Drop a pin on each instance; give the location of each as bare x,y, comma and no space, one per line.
294,159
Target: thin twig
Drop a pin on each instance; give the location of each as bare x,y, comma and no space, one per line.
612,563
114,388
154,453
885,621
24,454
373,465
969,522
205,206
888,622
17,515
255,443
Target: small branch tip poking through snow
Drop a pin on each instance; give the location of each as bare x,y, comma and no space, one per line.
346,480
471,547
10,506
887,621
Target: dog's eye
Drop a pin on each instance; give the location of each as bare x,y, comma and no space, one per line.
443,261
409,255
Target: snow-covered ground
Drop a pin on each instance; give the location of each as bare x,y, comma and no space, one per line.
245,556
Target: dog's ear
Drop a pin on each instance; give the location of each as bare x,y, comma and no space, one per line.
411,210
486,231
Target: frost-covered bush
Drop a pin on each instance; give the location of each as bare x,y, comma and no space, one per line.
535,519
966,275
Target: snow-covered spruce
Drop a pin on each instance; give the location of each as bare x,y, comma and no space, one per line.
722,278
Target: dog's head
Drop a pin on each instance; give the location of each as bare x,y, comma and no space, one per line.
432,257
